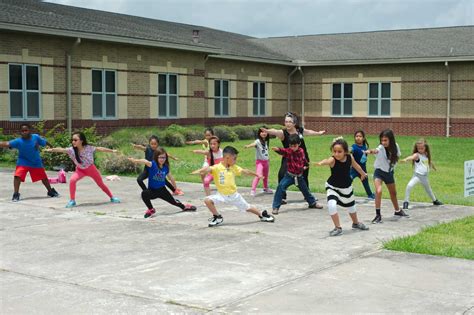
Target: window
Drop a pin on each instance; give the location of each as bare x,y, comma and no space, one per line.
167,95
379,99
24,91
259,98
104,95
221,98
342,99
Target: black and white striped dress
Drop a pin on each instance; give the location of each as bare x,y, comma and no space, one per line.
339,185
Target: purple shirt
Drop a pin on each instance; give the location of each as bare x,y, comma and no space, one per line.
86,156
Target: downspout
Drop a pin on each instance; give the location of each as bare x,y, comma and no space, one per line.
448,103
69,86
302,95
289,87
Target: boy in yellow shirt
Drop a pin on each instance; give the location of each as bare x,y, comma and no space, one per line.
224,177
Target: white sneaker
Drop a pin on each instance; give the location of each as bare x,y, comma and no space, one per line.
252,193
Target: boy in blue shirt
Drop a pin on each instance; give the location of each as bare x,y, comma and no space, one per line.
29,160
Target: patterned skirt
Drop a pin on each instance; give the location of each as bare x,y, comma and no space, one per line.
343,196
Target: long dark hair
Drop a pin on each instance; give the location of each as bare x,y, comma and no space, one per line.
160,151
82,137
363,135
264,141
210,149
392,151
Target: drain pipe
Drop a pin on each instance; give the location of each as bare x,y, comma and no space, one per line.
69,86
302,95
448,104
289,87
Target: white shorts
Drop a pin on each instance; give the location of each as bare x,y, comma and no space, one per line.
235,199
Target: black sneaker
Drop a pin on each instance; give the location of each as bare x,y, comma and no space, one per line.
437,203
16,197
265,217
215,220
405,205
53,193
377,219
360,226
401,214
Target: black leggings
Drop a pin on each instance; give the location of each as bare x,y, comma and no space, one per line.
282,172
144,175
150,194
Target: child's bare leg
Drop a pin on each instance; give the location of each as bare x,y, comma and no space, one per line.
207,191
16,184
393,195
211,206
354,218
378,193
254,210
335,220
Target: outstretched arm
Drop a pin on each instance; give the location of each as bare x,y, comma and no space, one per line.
250,173
138,147
140,161
172,157
204,152
356,166
202,171
4,144
197,142
107,150
329,161
371,151
274,132
411,157
250,145
56,150
309,132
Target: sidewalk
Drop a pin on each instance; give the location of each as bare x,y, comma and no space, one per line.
102,258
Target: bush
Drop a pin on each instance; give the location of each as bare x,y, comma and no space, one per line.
193,134
245,132
118,164
109,142
225,134
174,139
7,155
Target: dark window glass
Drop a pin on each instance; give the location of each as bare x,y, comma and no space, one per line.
225,88
16,104
16,82
97,105
336,91
373,107
217,88
162,84
173,88
110,105
110,81
225,106
348,90
162,106
386,90
262,107
217,106
385,110
255,107
32,104
262,89
255,89
173,106
336,107
373,90
96,81
32,78
347,107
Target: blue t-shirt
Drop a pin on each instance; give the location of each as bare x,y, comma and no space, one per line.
358,153
28,150
157,176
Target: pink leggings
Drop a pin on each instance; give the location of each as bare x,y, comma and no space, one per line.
92,172
262,168
207,180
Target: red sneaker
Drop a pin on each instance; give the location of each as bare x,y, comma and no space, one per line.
188,207
178,192
149,213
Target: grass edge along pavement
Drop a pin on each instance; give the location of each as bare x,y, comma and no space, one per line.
452,239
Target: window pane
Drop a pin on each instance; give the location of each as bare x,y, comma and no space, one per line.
16,104
373,107
386,90
97,105
32,78
255,89
262,89
255,107
347,107
162,83
217,88
225,88
336,91
32,105
385,108
110,105
348,90
162,106
225,107
96,81
173,106
373,90
173,84
262,107
217,106
15,77
110,81
336,107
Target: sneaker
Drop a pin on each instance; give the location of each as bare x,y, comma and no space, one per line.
267,191
114,200
360,226
149,213
71,203
53,193
371,197
178,192
275,211
315,206
265,217
16,197
215,220
377,219
405,205
337,231
283,202
252,193
437,203
188,207
401,214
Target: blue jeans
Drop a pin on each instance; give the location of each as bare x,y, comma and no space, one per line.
365,182
286,182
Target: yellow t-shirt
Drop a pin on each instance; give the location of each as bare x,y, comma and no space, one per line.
224,178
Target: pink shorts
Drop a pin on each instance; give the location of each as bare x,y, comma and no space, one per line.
36,173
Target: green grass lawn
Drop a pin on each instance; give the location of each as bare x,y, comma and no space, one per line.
448,154
453,239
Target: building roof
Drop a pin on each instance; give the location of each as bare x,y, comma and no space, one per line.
416,45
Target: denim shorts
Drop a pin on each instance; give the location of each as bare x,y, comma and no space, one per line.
386,177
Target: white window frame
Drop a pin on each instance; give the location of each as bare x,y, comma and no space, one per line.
104,94
220,98
258,98
379,100
24,94
342,100
168,94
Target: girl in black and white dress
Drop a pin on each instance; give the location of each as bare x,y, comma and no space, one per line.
339,185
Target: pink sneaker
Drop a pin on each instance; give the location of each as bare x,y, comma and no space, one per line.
150,212
178,192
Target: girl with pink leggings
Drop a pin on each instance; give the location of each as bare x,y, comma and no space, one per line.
214,156
262,162
82,154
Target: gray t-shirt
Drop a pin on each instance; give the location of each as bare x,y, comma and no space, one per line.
261,151
381,160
